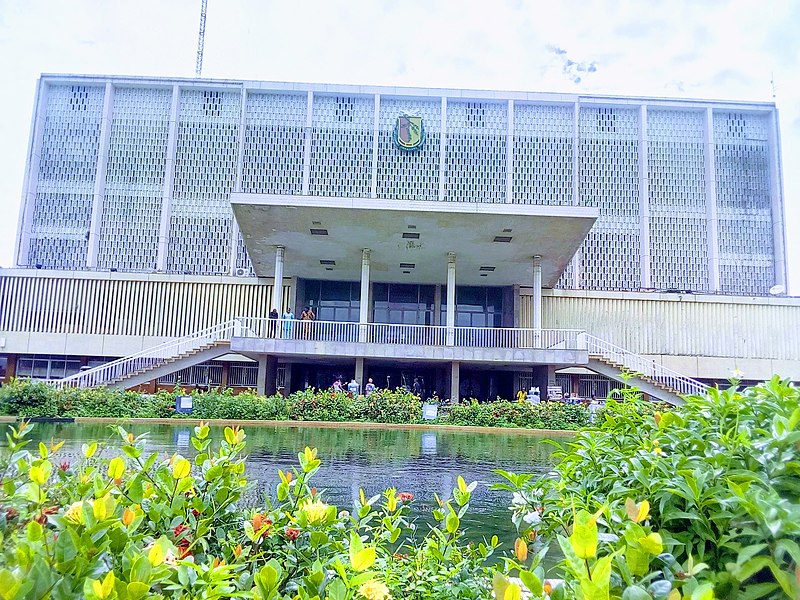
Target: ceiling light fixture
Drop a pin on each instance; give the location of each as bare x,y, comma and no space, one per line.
505,239
410,235
319,231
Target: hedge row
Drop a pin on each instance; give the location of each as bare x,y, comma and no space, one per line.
24,398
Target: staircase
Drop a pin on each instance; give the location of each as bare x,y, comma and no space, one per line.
650,377
166,358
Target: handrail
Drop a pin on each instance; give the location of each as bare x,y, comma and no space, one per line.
639,365
149,358
424,335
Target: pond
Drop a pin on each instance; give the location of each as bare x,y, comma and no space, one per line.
420,462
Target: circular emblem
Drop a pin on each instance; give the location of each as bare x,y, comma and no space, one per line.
409,132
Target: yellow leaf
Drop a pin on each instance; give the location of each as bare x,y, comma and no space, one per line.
363,559
674,595
462,485
644,511
521,550
513,592
108,584
652,544
99,509
88,451
116,468
37,475
181,468
584,535
637,512
156,555
97,588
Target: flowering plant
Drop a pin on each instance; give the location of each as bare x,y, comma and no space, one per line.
120,523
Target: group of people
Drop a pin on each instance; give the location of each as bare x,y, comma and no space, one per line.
353,387
287,330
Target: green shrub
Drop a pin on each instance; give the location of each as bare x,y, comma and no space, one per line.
717,480
545,415
125,525
224,404
25,398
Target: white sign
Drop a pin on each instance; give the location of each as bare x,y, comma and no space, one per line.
430,412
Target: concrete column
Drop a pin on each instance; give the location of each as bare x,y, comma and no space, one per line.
451,298
644,201
360,373
261,380
98,197
455,381
712,223
277,287
537,300
287,382
169,180
437,304
363,301
271,368
307,142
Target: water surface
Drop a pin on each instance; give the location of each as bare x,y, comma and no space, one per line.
420,462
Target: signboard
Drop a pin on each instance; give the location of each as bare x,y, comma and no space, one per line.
183,404
430,412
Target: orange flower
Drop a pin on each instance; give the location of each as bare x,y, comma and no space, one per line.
405,496
292,533
548,587
127,516
258,521
237,551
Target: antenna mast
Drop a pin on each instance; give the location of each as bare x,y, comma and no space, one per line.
201,36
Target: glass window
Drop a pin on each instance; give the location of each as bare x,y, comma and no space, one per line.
476,306
40,368
3,366
25,367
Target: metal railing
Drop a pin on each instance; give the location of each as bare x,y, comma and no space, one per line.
420,335
649,369
152,357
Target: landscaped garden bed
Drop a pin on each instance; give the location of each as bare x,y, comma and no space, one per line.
24,398
698,503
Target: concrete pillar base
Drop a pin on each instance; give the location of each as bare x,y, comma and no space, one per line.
272,375
455,382
261,380
360,372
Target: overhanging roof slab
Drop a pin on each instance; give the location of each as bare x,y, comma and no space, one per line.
432,229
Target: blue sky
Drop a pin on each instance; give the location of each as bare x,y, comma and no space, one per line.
722,49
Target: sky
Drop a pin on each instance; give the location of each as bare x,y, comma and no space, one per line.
710,49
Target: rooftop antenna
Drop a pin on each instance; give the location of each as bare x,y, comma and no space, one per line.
772,83
201,36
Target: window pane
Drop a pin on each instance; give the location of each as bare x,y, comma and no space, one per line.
335,290
403,293
426,295
40,369
24,367
57,369
380,292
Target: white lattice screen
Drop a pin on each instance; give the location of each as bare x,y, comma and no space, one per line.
543,154
341,146
475,156
741,145
205,174
677,200
67,166
135,179
609,179
179,175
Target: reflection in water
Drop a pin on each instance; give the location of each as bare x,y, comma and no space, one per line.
420,462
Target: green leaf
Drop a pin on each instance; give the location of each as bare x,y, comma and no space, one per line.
137,590
363,559
9,586
116,468
584,535
531,581
636,592
703,592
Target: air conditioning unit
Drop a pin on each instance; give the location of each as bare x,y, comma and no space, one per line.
241,272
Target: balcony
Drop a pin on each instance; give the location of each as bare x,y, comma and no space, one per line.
506,346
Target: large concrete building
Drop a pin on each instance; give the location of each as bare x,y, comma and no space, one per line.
480,241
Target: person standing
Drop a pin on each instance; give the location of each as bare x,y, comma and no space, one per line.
288,317
353,387
305,326
416,387
273,323
370,387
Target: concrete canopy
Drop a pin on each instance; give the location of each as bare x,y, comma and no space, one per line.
403,233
